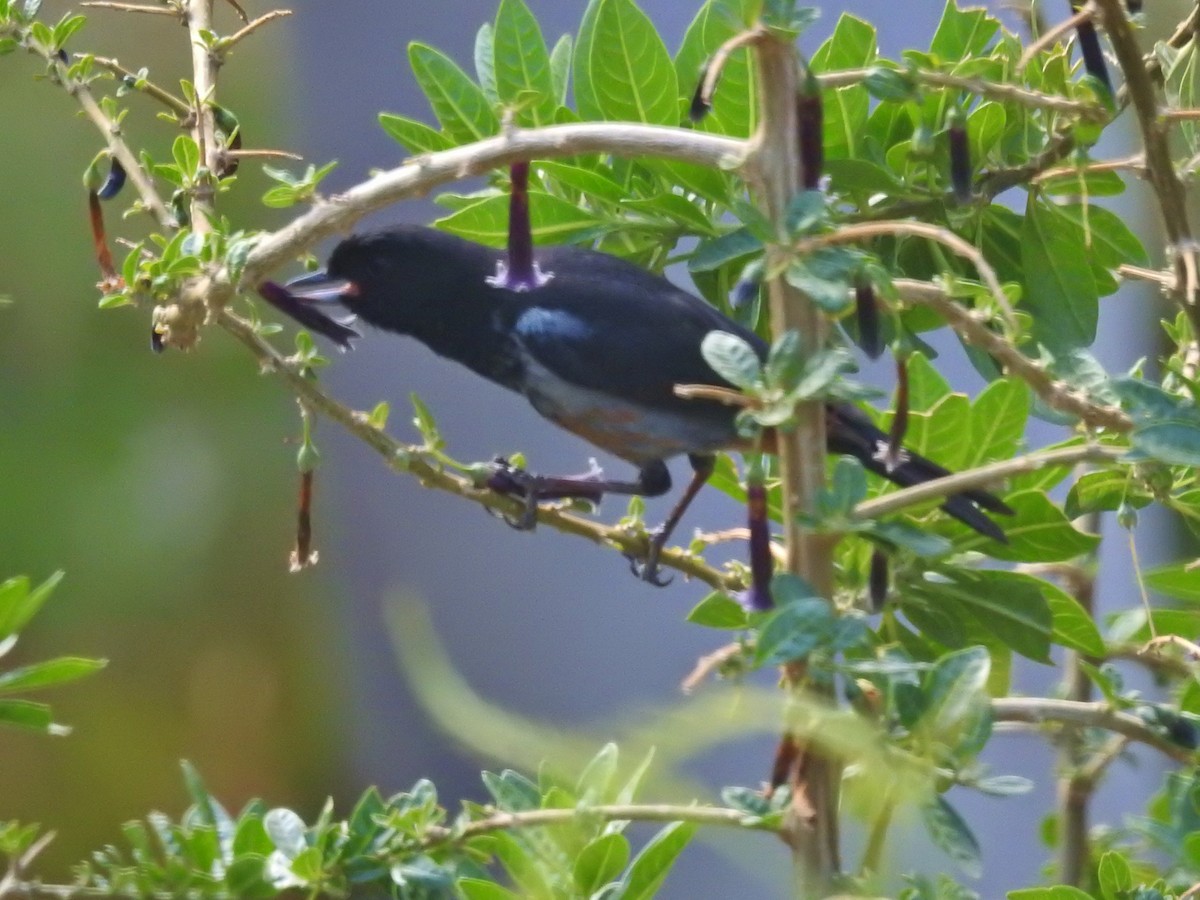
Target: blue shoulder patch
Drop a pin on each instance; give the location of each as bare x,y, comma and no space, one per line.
538,322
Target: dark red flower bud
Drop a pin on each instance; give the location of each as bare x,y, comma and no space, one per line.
762,567
810,116
702,98
895,448
866,314
960,156
303,555
1091,51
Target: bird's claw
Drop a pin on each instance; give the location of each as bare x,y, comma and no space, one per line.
510,481
648,570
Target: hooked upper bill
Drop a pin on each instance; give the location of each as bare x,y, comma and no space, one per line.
299,297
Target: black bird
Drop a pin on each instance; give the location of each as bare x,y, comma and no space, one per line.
594,342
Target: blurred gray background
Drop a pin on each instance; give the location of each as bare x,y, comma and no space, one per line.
158,492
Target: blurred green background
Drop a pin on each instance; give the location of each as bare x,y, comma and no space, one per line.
163,485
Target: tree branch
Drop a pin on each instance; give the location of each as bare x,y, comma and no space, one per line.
973,329
204,78
984,476
417,461
633,812
1073,714
1160,169
775,174
997,90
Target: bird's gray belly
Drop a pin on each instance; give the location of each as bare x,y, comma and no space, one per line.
632,432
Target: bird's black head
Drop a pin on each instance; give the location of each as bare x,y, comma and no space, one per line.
411,279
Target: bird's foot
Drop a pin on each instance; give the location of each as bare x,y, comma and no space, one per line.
648,569
510,481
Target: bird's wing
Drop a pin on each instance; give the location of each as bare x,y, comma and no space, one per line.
606,325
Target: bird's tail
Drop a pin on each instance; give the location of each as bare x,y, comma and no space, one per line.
852,433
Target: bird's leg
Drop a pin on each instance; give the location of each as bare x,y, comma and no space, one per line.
652,480
647,570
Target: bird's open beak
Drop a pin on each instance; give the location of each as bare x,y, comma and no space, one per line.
319,287
297,298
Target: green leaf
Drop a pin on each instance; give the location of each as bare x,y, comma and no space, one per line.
622,69
1073,627
47,674
955,691
716,252
485,62
963,33
246,877
950,833
27,714
523,78
1109,240
600,862
596,780
1177,580
998,418
734,104
719,610
592,183
416,137
512,791
886,83
1037,532
19,604
793,631
678,212
560,67
553,219
1008,606
926,385
732,358
851,46
650,867
1173,441
478,889
1061,291
459,103
286,831
187,155
1115,876
1057,892
1104,490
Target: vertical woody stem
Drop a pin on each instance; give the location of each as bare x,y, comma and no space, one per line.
776,174
204,79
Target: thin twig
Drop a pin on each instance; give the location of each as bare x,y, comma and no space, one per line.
1160,168
1045,40
1042,710
261,154
132,8
225,44
973,329
1135,163
205,64
144,85
983,476
439,836
112,135
861,231
1184,32
996,90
